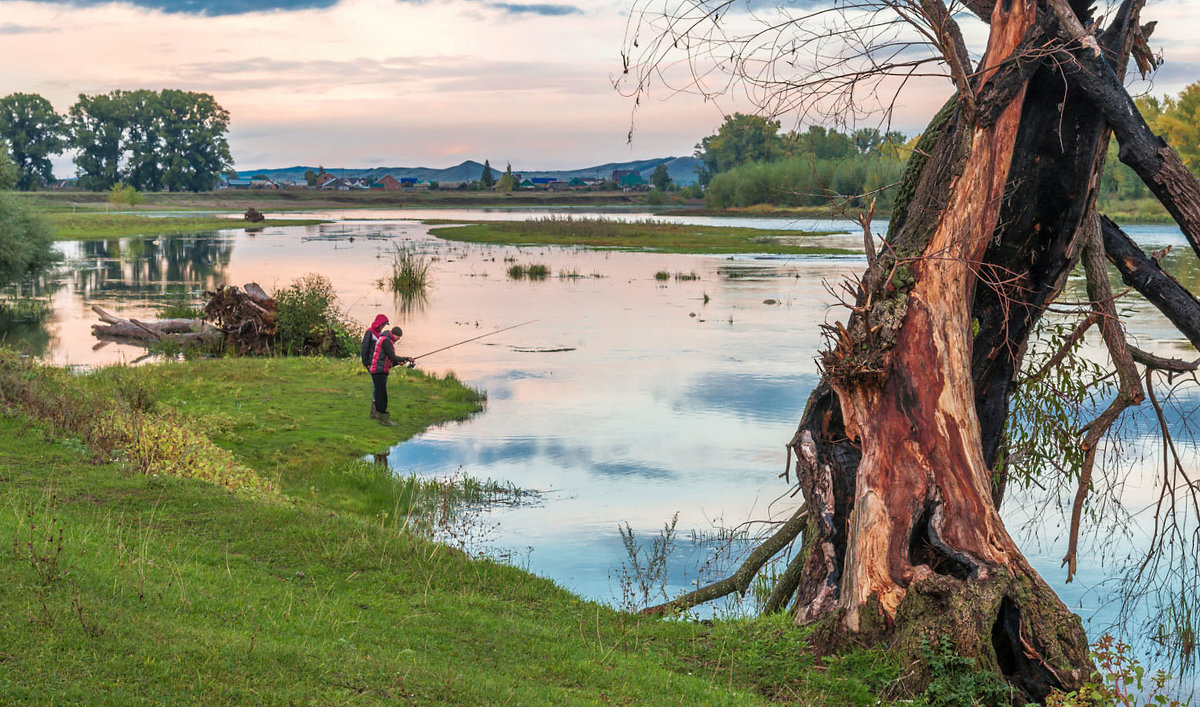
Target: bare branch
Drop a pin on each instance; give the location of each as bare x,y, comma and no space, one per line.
740,580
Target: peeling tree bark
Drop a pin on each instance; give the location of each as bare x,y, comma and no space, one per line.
908,542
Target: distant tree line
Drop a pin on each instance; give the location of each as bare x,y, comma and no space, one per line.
150,140
748,161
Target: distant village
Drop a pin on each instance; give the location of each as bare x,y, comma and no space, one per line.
627,180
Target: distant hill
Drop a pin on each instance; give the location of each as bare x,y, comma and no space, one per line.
681,169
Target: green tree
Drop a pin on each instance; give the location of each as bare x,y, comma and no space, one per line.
487,179
822,143
144,141
1177,120
97,126
124,195
310,178
25,240
194,148
8,172
508,181
740,139
33,132
660,177
171,139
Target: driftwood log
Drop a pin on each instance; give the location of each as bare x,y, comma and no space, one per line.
186,332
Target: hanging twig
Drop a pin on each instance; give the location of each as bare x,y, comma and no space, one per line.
1129,389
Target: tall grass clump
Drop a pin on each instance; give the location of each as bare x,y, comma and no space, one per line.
310,321
410,272
662,275
536,271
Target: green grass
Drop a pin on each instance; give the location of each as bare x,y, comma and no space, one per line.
181,309
124,588
1134,211
92,225
644,235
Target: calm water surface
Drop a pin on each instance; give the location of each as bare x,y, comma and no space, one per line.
629,399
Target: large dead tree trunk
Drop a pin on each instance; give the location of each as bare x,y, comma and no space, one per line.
904,539
900,450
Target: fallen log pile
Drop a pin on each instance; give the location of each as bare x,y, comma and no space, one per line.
246,317
237,319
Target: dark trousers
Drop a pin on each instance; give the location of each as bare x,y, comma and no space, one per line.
380,381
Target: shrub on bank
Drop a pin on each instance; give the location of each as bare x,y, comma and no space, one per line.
309,319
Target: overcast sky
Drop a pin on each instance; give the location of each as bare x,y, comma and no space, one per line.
408,82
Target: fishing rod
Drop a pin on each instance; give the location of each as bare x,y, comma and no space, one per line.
475,338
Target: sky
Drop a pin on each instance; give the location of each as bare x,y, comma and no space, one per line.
407,83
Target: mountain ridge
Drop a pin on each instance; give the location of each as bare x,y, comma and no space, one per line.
681,169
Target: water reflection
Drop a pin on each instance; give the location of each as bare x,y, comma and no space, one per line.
145,267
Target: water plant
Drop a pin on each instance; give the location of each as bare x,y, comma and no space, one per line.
642,576
25,309
687,276
410,271
536,271
662,276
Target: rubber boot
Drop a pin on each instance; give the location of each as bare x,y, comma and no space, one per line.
374,412
386,420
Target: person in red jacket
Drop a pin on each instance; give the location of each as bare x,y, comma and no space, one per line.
370,338
382,360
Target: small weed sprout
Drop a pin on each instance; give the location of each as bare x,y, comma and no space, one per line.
1123,679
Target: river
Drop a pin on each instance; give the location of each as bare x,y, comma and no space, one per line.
630,399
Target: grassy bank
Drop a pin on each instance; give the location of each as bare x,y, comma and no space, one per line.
123,587
642,235
93,225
